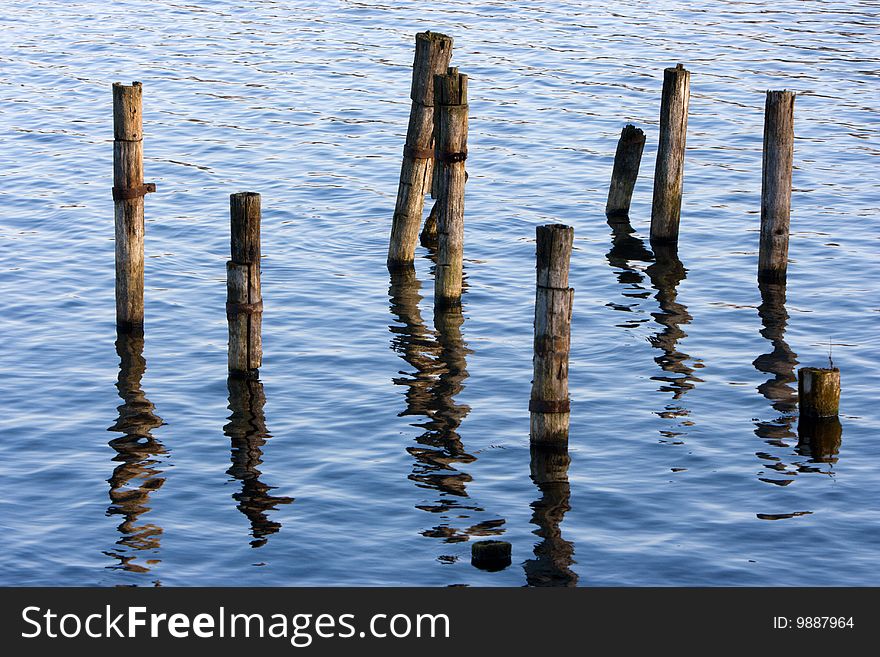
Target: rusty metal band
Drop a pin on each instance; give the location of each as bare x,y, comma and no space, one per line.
450,158
548,287
235,309
126,193
549,406
418,153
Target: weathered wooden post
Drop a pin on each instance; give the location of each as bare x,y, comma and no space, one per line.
244,300
626,169
549,404
450,94
433,52
128,197
818,391
776,185
669,171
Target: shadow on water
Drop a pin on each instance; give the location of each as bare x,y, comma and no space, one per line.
818,440
247,432
553,555
439,362
139,456
664,271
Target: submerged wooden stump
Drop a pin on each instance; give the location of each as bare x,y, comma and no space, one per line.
244,300
626,169
669,170
128,197
776,185
450,94
818,391
491,555
549,403
433,52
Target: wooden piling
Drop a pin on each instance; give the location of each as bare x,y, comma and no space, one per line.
491,555
433,52
669,170
128,197
450,94
549,404
818,391
776,185
626,169
244,301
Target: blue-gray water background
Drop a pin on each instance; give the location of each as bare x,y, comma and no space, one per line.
685,466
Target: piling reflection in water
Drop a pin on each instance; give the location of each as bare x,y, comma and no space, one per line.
553,555
817,440
439,361
139,456
247,431
664,271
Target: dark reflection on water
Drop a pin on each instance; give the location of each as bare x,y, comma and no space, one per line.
818,440
664,271
139,456
553,555
247,432
439,363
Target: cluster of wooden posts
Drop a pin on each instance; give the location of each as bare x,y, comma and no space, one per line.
434,162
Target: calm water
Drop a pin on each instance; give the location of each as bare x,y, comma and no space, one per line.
382,440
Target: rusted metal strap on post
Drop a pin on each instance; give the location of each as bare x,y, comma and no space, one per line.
418,153
549,406
234,309
451,158
127,193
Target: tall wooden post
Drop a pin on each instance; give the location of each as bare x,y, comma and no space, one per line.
626,169
244,300
128,197
776,185
549,404
433,52
669,171
450,94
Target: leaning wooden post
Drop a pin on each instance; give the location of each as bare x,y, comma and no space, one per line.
626,169
450,94
433,52
244,301
669,170
128,197
776,185
818,391
549,404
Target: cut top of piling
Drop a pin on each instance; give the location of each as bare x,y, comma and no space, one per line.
553,255
244,214
433,52
632,135
450,88
128,111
